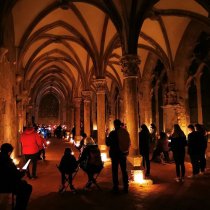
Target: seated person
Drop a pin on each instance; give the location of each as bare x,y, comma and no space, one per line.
161,148
11,178
90,160
67,166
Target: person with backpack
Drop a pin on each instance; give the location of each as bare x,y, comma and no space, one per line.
90,160
119,142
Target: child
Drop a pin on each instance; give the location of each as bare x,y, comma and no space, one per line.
67,166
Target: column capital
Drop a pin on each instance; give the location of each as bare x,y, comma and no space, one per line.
100,85
77,101
86,95
130,65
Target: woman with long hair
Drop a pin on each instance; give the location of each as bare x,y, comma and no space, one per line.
144,145
178,143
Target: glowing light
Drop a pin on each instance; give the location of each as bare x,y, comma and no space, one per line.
71,140
77,143
138,176
104,156
48,142
16,161
95,127
72,153
102,147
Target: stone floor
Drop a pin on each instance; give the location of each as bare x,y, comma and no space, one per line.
164,194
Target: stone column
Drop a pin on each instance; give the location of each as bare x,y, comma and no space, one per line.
77,103
147,103
87,105
121,109
94,120
71,117
101,121
199,100
130,68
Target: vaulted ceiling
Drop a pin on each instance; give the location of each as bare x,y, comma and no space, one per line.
63,47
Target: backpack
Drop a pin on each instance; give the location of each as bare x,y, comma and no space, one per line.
124,141
94,156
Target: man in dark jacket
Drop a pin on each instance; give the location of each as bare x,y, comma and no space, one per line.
11,178
194,149
117,156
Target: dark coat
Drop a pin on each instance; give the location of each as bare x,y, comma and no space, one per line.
112,143
68,164
10,176
194,145
144,142
178,145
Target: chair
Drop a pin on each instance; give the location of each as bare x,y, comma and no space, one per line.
67,184
94,180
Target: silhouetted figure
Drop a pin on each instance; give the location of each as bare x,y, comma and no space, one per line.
194,149
144,147
59,132
67,167
161,148
11,178
90,160
178,144
153,137
119,142
81,144
203,140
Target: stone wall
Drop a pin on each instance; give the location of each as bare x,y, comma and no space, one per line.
8,118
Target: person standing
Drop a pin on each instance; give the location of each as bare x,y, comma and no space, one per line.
11,178
202,138
31,144
153,137
144,147
118,141
193,150
178,144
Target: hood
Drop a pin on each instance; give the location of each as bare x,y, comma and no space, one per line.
29,130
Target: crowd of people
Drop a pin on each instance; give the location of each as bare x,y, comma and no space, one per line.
176,142
150,145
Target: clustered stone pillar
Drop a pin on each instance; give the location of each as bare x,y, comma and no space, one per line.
71,116
77,102
100,88
87,105
130,68
199,101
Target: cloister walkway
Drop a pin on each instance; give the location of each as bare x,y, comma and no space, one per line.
164,194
